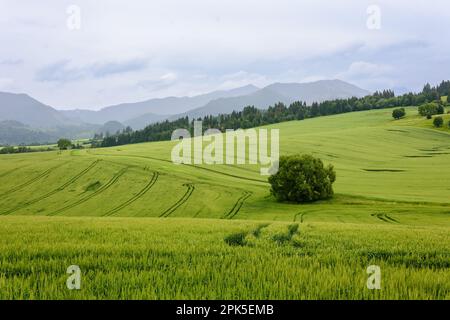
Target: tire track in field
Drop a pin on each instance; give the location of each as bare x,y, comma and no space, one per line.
135,197
384,217
183,200
105,187
301,214
49,194
4,174
184,164
31,181
238,205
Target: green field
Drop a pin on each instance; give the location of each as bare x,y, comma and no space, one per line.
105,210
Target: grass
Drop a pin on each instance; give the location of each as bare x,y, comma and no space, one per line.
125,215
150,258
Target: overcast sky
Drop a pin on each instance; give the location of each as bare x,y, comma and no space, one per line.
125,51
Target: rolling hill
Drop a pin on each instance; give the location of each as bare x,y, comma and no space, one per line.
15,133
372,167
145,228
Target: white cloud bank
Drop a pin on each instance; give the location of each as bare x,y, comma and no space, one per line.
142,49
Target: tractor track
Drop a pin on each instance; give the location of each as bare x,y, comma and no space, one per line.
51,193
31,181
301,214
189,165
238,205
135,197
105,187
384,217
183,200
4,174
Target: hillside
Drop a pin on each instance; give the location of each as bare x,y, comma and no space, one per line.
15,133
160,108
377,160
216,231
29,111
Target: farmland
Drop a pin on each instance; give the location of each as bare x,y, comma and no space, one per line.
143,227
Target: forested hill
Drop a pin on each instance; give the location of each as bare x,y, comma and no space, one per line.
254,117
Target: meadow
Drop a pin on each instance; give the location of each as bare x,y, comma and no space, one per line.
106,210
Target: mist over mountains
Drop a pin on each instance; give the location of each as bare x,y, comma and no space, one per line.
35,122
280,92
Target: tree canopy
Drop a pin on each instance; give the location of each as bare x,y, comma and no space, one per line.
438,122
302,178
398,113
64,144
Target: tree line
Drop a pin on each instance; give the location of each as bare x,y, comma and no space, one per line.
251,116
21,149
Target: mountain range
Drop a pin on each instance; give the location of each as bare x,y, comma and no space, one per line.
26,115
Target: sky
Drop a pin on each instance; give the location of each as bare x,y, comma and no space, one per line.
90,54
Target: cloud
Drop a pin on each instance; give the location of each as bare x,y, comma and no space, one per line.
169,77
371,76
60,71
63,71
362,69
106,69
11,62
240,79
162,82
5,83
174,47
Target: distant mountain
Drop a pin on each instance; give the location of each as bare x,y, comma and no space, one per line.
26,120
317,91
161,106
144,120
280,92
15,133
29,111
111,127
261,99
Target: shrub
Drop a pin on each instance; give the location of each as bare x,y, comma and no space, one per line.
428,109
438,122
64,144
398,113
302,178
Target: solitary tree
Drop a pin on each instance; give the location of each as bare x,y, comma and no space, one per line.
302,178
398,113
64,144
438,122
